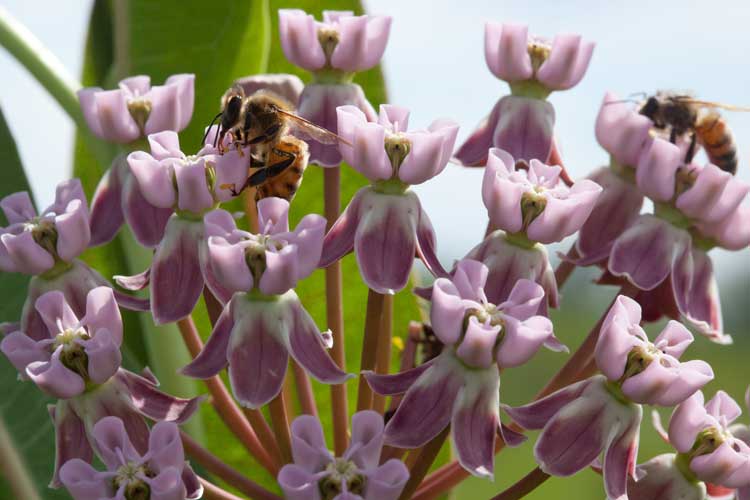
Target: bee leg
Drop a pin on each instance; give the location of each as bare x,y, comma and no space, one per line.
691,149
673,136
267,172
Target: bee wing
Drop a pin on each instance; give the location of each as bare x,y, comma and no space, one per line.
709,104
313,131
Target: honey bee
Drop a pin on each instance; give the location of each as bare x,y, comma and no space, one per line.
265,122
682,114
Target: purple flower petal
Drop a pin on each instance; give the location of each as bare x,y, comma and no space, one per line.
176,279
567,63
286,85
385,241
102,313
426,408
228,265
307,347
71,441
135,282
147,221
475,422
281,271
340,238
106,205
257,358
363,41
427,245
21,350
667,385
536,414
18,207
308,237
618,334
213,357
473,152
621,130
165,446
620,459
714,195
104,358
193,194
25,254
657,168
154,179
644,254
477,345
447,311
298,483
167,485
696,295
144,397
524,128
107,115
299,39
522,340
397,383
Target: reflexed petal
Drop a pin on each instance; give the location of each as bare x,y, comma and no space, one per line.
620,460
71,441
385,241
397,383
308,443
661,479
192,483
340,238
147,221
426,408
644,254
525,128
106,205
427,246
307,347
535,415
154,179
213,357
149,401
506,51
367,439
135,282
257,358
617,207
176,279
696,295
475,421
473,152
298,483
387,481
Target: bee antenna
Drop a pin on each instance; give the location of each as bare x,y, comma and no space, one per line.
208,130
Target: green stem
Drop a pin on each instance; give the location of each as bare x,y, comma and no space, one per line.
51,74
13,468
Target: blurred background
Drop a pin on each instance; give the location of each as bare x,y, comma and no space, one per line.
434,65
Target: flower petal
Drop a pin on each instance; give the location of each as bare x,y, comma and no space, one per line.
176,279
18,207
102,313
340,238
308,443
21,350
213,357
167,485
397,383
228,265
281,271
165,446
83,481
149,401
104,358
106,216
257,358
71,441
25,254
506,51
427,245
567,63
286,85
617,337
426,408
299,39
620,460
193,194
147,221
387,481
525,128
307,347
621,130
112,443
154,179
536,414
367,439
54,378
522,340
473,152
298,483
657,168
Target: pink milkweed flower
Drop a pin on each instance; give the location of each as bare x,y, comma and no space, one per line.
602,414
264,321
333,51
665,254
533,202
284,85
190,186
523,122
624,134
742,431
385,223
46,246
343,41
461,386
125,116
662,478
317,474
79,364
702,434
161,473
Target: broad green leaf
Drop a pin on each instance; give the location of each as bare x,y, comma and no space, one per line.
23,408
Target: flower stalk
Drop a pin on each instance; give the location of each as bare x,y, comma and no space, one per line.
424,459
280,424
383,356
524,486
370,343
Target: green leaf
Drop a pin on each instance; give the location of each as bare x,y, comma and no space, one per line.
23,409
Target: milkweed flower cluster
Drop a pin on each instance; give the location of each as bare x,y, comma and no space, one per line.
486,316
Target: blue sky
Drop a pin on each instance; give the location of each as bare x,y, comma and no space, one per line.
435,66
